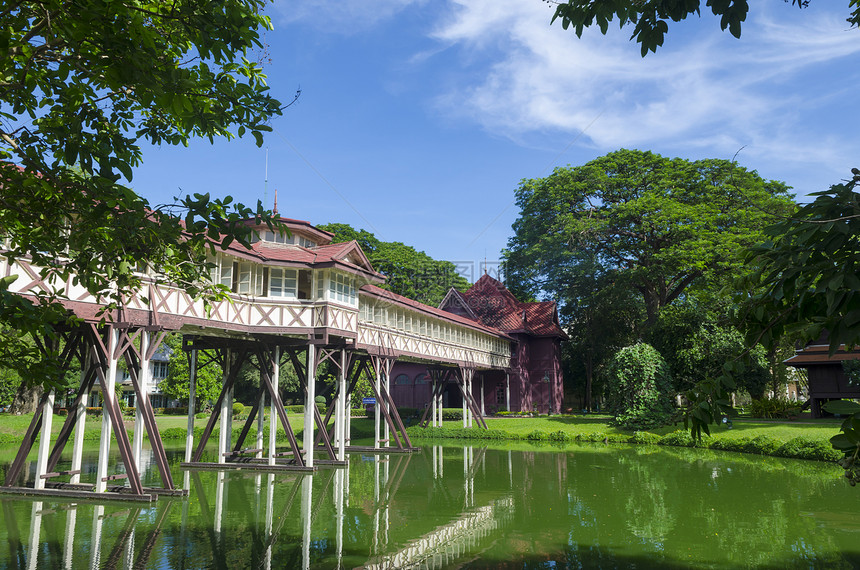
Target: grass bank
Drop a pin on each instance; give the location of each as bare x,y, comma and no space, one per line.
807,439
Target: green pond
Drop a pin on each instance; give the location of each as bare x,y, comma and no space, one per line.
455,506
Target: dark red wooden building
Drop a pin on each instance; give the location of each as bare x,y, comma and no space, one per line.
533,382
827,380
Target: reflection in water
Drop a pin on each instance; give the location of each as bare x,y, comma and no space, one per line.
465,507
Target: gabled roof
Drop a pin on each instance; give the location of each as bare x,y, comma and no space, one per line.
493,305
301,227
347,256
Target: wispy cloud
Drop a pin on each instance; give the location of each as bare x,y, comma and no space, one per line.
704,89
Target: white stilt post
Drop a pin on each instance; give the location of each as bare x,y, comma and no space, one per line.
143,381
376,411
483,413
439,403
225,433
340,409
465,380
508,391
104,444
80,425
273,412
310,396
261,424
433,403
44,441
192,406
386,367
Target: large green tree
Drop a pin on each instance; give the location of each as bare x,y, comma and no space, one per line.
83,83
660,225
410,272
650,18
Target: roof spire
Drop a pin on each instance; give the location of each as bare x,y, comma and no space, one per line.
275,209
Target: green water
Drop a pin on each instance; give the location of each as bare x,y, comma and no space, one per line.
454,507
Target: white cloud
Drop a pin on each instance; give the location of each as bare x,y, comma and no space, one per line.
702,90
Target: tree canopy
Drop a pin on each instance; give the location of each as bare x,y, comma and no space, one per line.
410,273
650,18
659,225
82,84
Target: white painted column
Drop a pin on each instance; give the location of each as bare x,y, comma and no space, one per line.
483,413
440,402
261,424
80,425
44,441
469,389
508,391
104,444
307,504
340,409
273,412
143,376
192,407
433,403
376,412
348,437
225,434
310,395
387,380
465,379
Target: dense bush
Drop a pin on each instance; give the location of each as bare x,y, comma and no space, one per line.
320,400
682,438
771,408
639,389
806,448
238,408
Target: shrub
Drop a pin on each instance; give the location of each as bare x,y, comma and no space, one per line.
238,408
772,408
639,388
452,414
805,448
95,412
680,438
644,437
320,400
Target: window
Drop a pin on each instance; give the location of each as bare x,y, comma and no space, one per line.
226,278
401,379
305,285
500,396
342,288
159,370
283,283
422,378
242,278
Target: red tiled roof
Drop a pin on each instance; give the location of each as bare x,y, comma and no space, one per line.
387,295
497,307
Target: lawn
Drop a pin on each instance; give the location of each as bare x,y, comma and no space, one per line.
823,429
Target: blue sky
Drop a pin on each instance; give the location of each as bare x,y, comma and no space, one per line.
418,119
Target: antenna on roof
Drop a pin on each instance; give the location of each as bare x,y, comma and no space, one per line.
266,180
275,209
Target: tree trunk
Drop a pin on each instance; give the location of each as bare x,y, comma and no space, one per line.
589,372
26,399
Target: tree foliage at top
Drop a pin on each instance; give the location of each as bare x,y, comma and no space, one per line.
410,273
82,84
650,18
658,225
